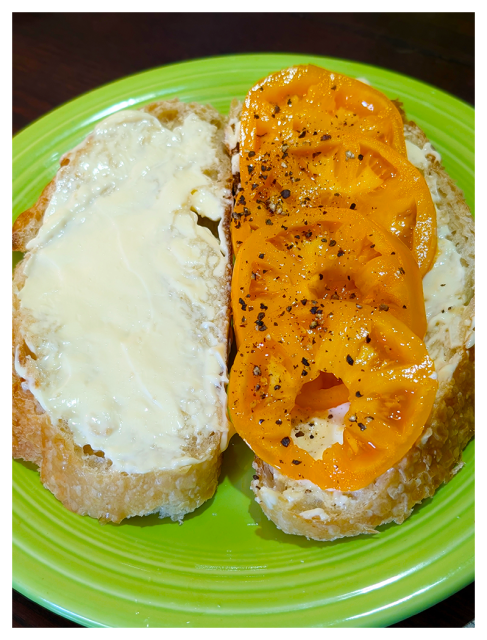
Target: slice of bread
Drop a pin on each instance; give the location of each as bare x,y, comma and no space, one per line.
301,507
165,306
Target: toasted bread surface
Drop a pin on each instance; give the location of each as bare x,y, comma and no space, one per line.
85,481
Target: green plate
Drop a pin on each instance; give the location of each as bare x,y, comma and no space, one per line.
227,565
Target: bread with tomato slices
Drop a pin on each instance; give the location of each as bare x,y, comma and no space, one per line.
121,316
301,507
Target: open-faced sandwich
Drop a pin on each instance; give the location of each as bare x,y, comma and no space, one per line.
352,297
353,305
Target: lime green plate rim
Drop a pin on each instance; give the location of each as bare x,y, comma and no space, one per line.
88,108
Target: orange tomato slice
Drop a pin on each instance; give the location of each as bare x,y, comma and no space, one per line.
371,359
342,171
323,254
307,102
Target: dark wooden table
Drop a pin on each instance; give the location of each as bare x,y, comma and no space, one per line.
57,57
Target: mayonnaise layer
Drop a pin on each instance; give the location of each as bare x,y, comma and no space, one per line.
126,295
318,434
444,285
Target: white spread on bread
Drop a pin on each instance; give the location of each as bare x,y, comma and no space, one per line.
124,295
317,434
315,513
444,288
418,156
471,335
444,285
295,494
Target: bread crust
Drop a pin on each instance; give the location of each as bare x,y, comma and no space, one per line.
301,507
84,480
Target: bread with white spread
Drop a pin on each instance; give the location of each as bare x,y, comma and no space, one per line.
121,316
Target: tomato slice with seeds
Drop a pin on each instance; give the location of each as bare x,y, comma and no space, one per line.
342,171
324,254
363,356
308,102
